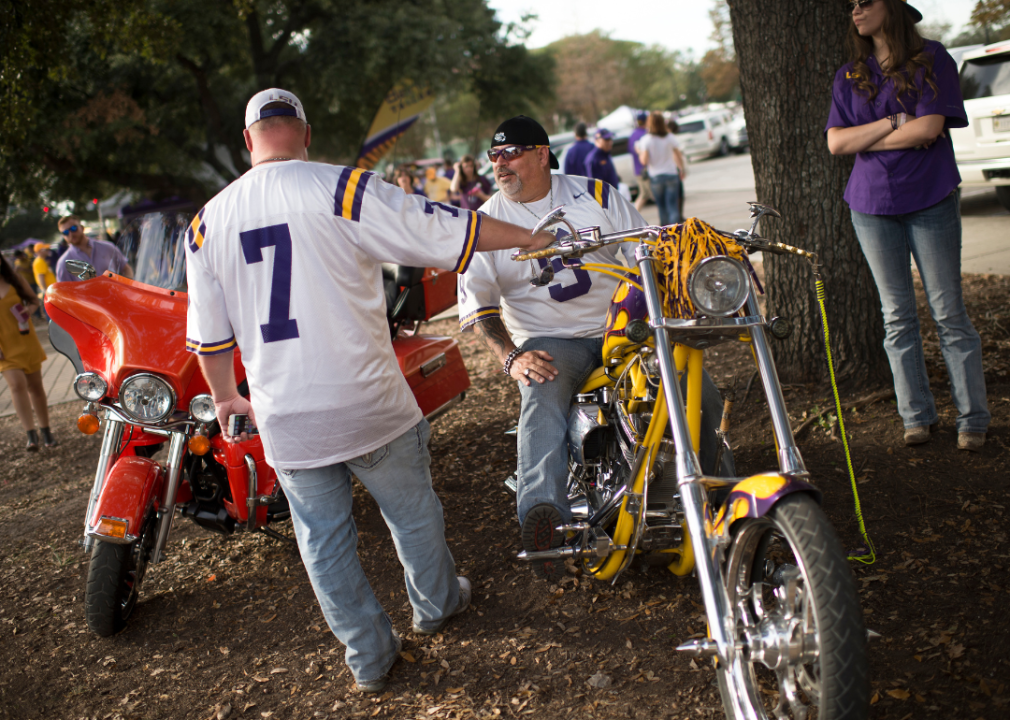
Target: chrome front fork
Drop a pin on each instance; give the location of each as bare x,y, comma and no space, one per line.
111,441
166,513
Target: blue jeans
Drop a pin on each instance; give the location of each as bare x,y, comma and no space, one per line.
543,424
397,476
666,191
933,238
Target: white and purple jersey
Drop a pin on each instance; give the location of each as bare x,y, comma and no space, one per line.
285,263
575,304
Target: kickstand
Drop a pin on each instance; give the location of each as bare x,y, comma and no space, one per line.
276,535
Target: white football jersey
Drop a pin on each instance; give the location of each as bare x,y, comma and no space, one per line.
285,263
575,304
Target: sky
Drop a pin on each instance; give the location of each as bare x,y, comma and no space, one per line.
674,24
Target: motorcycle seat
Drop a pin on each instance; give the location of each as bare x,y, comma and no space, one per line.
404,292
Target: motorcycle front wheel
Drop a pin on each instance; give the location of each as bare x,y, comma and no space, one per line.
114,578
796,612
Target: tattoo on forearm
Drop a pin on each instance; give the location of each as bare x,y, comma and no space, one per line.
495,337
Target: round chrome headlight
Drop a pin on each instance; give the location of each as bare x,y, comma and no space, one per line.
202,408
90,386
718,286
147,398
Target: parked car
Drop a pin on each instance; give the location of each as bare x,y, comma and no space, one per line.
705,134
738,141
982,149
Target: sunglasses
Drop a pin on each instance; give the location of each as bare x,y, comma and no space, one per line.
861,4
508,154
72,228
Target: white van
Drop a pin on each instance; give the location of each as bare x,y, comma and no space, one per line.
982,149
705,134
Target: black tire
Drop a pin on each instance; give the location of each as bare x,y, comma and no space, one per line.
1003,195
115,575
723,147
821,659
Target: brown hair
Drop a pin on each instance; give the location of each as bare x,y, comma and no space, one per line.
67,219
13,278
467,159
908,56
656,124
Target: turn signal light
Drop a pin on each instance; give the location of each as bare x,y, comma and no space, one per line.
88,423
111,527
199,445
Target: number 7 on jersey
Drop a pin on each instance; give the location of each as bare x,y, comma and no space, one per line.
279,326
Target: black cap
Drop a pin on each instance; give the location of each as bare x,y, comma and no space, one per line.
916,15
522,130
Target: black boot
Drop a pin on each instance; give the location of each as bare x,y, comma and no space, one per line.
47,438
33,441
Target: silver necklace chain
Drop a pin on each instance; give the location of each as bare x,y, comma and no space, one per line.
274,159
550,206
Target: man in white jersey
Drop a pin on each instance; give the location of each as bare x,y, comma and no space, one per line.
549,336
285,263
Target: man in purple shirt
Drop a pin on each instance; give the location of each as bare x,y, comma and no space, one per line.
575,158
101,255
599,164
644,188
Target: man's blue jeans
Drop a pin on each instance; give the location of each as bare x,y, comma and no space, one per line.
397,476
666,191
933,238
543,423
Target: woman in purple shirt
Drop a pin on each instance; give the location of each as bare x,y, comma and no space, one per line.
469,188
890,107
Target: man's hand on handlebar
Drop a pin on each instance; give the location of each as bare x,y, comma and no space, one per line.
541,240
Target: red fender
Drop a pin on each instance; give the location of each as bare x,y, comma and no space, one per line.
131,487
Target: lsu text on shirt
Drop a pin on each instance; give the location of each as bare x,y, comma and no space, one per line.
285,263
894,182
575,304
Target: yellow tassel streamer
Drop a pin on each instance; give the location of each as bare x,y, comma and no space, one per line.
680,248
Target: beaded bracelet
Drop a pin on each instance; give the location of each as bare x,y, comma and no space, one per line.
507,367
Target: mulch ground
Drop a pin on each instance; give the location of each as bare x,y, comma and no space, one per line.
229,628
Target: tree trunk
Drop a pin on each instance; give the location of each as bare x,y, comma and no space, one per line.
788,52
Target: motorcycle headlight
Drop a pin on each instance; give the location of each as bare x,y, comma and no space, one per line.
202,408
147,398
718,286
90,386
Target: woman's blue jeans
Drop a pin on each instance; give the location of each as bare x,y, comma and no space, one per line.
666,191
396,475
933,238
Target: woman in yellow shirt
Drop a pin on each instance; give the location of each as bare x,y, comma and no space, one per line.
21,356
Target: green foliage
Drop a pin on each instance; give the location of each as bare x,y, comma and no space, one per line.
150,95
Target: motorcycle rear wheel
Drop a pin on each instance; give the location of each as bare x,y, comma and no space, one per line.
796,610
114,578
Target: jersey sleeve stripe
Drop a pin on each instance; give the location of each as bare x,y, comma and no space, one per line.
477,315
350,192
473,223
213,348
197,231
600,192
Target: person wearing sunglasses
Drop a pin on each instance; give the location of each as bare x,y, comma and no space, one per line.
100,254
891,107
544,321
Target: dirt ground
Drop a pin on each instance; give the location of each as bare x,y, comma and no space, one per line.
229,627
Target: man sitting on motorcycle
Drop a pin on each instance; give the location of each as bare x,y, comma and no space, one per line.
327,394
548,334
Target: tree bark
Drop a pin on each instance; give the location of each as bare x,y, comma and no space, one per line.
788,52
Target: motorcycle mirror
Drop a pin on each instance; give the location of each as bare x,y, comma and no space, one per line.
758,211
81,269
553,217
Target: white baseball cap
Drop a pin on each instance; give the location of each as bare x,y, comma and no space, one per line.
254,111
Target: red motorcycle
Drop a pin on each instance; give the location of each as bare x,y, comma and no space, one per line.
126,339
